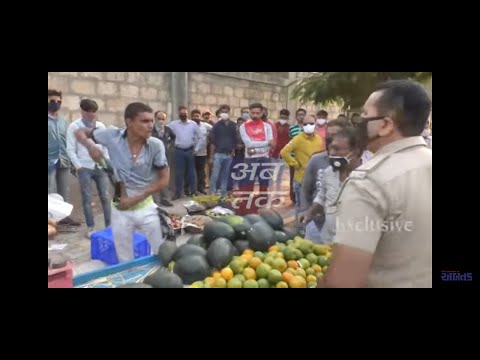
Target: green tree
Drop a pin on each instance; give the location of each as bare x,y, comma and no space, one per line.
350,89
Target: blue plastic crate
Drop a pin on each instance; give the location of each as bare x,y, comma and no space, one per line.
102,247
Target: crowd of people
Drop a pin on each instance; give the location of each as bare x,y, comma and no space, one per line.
338,168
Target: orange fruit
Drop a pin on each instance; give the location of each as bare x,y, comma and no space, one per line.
280,265
227,273
317,268
291,271
298,282
273,248
246,257
217,275
292,264
311,279
282,285
254,262
248,252
210,281
301,272
287,276
250,274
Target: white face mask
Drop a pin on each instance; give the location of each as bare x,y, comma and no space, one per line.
309,129
283,121
426,132
224,116
321,122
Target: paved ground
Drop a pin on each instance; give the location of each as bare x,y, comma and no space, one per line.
78,246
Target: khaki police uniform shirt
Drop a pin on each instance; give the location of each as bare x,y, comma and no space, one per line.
385,208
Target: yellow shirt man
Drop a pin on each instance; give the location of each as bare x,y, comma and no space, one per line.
303,146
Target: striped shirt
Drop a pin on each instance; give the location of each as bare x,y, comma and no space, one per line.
295,130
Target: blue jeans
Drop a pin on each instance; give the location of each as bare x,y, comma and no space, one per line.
221,170
184,164
231,182
85,177
58,181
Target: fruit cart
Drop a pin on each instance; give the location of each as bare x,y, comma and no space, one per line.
117,275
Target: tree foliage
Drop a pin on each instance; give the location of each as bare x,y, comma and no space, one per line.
350,89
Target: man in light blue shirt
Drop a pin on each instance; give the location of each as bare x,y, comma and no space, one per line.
86,169
142,170
58,161
186,142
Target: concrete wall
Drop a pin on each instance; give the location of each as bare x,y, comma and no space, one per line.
166,91
113,91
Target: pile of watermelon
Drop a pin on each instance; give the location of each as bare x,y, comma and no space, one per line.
226,247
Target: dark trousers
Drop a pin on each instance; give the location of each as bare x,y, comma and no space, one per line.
247,184
184,165
231,182
292,175
200,163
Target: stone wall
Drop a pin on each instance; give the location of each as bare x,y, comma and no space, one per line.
204,90
112,91
208,91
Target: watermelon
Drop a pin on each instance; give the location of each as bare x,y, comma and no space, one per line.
239,224
254,218
166,252
164,280
188,250
261,236
192,268
290,232
273,218
220,253
281,237
241,245
215,229
198,240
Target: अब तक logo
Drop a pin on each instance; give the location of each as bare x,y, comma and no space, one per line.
454,275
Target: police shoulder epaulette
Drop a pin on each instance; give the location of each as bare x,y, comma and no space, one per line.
358,174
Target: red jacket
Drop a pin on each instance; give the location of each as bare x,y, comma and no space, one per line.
275,136
283,138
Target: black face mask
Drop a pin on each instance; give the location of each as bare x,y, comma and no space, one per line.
338,162
183,117
362,130
53,106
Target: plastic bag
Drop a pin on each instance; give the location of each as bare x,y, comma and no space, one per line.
57,208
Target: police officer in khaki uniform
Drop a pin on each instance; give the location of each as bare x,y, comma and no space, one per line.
384,210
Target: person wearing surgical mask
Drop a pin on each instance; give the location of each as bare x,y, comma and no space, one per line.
245,114
302,148
224,139
162,132
321,125
384,210
295,130
283,137
187,134
274,130
344,155
58,159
